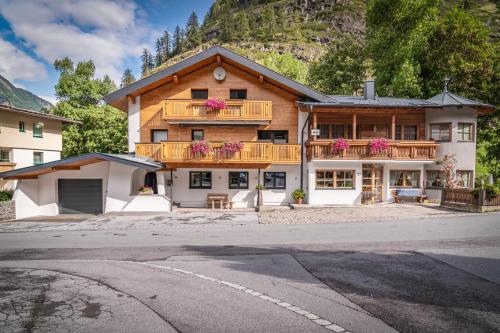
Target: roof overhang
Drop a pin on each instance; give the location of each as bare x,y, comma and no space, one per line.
75,163
119,98
32,113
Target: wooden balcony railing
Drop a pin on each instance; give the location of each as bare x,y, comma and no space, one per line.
148,150
252,153
235,110
360,150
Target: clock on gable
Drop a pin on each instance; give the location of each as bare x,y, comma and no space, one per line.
219,73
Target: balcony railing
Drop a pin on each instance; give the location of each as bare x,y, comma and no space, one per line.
252,153
234,110
360,150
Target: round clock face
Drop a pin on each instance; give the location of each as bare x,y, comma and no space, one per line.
219,73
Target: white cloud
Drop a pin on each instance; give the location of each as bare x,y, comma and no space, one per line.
105,31
17,65
51,99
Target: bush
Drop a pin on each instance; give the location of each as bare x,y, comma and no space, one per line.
492,190
6,195
298,194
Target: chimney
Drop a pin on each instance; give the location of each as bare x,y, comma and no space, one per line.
369,89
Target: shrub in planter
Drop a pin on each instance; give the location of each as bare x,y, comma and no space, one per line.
231,147
6,195
214,104
379,145
298,195
200,147
339,145
146,190
367,196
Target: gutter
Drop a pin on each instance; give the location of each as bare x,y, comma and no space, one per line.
302,148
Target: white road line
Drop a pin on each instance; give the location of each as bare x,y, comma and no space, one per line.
290,307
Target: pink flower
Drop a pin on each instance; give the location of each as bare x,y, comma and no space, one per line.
200,147
339,145
231,147
379,145
215,104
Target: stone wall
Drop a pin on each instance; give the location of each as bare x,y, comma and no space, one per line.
7,210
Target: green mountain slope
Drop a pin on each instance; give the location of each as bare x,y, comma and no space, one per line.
21,98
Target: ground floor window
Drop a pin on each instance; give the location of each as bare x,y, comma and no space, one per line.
4,156
238,180
200,179
434,179
275,180
464,178
334,179
37,157
405,178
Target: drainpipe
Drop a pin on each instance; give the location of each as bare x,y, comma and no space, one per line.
302,148
257,208
171,190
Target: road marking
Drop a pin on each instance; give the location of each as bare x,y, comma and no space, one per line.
310,316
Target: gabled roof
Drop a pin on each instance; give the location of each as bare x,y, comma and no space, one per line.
118,98
38,114
77,161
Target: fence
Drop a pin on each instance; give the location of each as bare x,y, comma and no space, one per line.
452,197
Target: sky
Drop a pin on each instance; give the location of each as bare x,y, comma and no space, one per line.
112,33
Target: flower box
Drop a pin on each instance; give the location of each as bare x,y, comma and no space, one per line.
200,148
378,146
230,148
340,146
214,104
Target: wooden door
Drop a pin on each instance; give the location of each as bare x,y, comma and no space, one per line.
373,180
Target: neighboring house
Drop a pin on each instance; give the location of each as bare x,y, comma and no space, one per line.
28,138
287,131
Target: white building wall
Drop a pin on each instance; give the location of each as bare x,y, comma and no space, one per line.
24,157
134,123
242,198
26,198
409,165
334,196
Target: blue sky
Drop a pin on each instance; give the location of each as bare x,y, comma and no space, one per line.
33,33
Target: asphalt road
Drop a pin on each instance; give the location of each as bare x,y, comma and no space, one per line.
436,275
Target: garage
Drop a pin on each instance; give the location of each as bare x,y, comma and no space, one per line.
80,196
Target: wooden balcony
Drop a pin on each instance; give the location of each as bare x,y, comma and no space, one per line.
235,110
254,154
360,150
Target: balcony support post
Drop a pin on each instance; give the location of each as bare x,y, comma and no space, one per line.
354,136
314,124
393,127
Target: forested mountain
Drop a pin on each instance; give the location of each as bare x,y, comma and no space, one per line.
21,98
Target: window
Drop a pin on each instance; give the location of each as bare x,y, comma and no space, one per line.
37,130
399,178
324,131
334,179
4,156
37,157
464,178
275,180
434,179
238,94
197,134
465,131
273,136
22,128
158,136
335,131
200,179
406,132
238,180
199,93
440,132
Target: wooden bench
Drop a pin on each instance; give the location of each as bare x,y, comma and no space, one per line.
409,193
221,198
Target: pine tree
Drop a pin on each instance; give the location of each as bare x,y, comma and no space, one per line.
127,78
159,53
147,62
166,46
227,28
268,23
177,43
193,33
244,25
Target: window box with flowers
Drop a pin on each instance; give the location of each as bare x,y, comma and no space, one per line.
230,148
146,190
379,146
200,148
213,104
339,146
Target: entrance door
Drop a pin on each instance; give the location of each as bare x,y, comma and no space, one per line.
77,196
372,181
